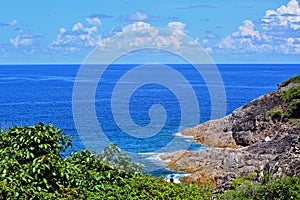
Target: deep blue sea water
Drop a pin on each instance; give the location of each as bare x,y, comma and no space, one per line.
34,93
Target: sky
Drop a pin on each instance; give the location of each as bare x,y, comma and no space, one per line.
232,31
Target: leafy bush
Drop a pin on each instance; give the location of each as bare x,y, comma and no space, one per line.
293,110
290,94
30,156
32,166
295,79
277,114
243,180
286,188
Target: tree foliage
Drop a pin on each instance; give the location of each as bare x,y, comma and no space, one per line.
33,166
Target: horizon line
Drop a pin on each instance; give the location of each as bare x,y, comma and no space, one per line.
225,63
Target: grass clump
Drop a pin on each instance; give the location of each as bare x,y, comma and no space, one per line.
247,179
276,188
295,79
277,114
294,121
290,94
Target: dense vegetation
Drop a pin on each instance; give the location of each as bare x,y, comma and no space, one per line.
33,166
295,79
290,94
287,188
291,97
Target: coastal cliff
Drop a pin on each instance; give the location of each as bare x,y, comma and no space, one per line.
262,137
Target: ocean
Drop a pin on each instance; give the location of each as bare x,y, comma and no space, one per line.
33,93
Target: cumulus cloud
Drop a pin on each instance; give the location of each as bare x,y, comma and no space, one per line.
139,16
138,35
142,34
25,44
78,37
176,25
82,37
94,21
286,16
277,32
24,38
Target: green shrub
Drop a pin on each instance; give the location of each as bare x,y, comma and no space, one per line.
32,166
290,94
293,110
277,114
286,188
292,121
243,180
295,79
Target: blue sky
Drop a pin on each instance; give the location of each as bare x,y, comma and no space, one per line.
232,31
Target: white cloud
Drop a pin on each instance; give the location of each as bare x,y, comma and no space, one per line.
243,40
136,26
287,16
22,39
177,27
277,32
62,30
141,34
85,37
79,37
139,16
77,27
247,30
138,35
94,21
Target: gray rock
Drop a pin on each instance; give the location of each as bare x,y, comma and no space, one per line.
245,131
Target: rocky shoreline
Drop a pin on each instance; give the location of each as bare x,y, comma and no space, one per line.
258,137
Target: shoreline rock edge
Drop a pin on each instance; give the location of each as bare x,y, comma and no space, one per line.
251,139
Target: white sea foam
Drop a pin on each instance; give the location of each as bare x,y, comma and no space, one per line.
176,177
152,156
37,78
178,134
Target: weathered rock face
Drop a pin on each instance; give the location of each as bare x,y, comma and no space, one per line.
212,133
219,166
251,124
251,139
247,125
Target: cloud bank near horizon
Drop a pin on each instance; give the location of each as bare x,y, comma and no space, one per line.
277,32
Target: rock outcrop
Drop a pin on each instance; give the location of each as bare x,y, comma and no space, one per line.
212,133
258,137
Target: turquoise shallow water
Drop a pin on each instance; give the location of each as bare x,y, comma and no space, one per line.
33,93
